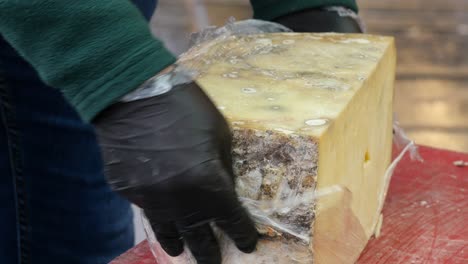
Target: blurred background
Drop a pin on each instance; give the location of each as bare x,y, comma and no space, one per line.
431,98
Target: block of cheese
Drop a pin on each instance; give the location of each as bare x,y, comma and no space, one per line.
311,116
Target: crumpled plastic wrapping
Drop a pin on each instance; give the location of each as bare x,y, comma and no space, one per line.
181,74
297,248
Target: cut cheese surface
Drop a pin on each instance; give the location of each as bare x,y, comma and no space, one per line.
311,116
290,82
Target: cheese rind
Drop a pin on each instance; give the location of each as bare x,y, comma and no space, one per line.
311,116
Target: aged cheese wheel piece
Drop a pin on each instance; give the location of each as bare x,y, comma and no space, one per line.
310,114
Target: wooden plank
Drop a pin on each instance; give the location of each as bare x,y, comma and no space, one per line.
440,139
404,21
434,112
421,72
429,54
432,103
415,5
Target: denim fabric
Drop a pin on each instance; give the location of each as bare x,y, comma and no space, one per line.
55,205
146,7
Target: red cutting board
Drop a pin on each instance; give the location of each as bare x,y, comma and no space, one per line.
425,215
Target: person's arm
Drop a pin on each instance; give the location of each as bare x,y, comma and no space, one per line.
94,51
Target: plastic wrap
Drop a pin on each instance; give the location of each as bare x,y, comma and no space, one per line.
277,219
161,84
180,74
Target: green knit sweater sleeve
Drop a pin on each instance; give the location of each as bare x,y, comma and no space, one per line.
94,51
271,9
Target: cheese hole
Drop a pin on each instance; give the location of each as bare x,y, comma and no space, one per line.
366,157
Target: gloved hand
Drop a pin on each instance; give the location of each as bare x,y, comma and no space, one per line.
171,155
319,20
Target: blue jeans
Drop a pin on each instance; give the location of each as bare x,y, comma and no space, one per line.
55,205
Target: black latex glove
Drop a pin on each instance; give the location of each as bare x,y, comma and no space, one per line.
319,20
171,155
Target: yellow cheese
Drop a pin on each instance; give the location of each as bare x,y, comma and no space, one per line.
309,112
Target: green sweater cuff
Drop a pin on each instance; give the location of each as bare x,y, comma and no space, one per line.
271,9
93,51
124,78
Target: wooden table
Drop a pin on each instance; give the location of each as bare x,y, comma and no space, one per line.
425,215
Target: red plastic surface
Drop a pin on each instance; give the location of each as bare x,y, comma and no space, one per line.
425,215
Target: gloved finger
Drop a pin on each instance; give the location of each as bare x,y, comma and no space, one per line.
240,228
203,244
168,236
